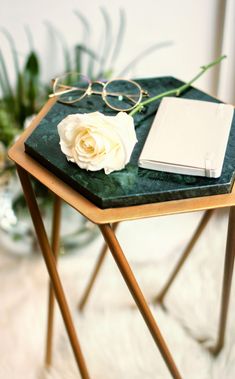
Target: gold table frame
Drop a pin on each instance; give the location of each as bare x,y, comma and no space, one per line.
107,220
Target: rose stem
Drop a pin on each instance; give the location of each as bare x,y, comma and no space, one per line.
177,91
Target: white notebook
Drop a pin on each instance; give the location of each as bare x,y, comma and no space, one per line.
188,137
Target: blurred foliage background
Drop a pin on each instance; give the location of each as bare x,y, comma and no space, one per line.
23,96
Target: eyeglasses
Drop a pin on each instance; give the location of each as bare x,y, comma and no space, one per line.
118,94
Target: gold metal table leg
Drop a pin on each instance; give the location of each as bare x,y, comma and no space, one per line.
205,218
141,303
95,272
55,243
52,270
227,281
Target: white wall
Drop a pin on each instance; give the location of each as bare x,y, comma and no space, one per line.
194,27
226,89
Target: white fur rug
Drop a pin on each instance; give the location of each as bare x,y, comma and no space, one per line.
114,338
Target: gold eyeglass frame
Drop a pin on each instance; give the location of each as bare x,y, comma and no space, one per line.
89,91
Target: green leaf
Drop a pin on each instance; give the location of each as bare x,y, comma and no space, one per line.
86,27
4,78
66,53
8,100
78,58
32,65
107,41
31,83
119,39
85,41
13,49
8,130
29,37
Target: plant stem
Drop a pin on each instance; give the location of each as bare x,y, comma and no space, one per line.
177,91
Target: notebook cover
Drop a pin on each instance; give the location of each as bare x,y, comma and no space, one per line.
132,185
188,137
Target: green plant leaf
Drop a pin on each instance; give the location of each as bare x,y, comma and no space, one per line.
78,58
32,65
13,49
31,82
85,43
29,37
8,130
8,100
65,50
119,39
20,98
106,41
4,79
19,88
81,50
86,27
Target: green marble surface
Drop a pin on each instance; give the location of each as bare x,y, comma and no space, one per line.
133,185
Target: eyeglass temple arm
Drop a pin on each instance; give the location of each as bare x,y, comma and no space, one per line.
67,90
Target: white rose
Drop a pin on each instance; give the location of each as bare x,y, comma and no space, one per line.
95,141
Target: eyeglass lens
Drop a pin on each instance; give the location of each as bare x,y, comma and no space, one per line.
122,94
71,87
